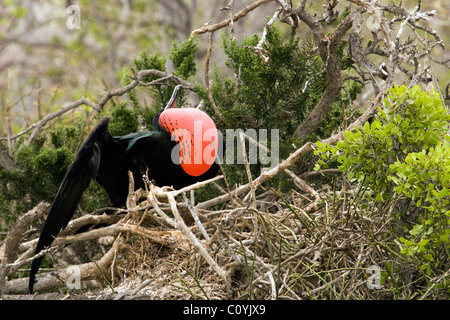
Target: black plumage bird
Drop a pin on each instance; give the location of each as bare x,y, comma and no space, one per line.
167,155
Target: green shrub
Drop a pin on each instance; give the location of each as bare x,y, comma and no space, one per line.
425,178
278,94
409,121
183,57
404,153
43,165
124,120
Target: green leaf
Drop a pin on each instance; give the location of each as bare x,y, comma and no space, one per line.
428,257
419,202
366,127
423,243
417,229
443,193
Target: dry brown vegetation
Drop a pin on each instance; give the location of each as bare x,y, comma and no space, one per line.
307,244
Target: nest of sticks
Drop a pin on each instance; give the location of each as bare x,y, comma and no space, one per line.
307,244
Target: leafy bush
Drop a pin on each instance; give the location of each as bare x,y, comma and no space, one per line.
408,121
43,164
424,177
183,57
404,153
124,120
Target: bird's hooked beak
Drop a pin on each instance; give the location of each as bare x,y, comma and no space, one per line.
172,100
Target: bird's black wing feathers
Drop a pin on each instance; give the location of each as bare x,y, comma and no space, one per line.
108,160
77,179
157,155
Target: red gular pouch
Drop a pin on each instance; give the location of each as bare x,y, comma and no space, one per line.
196,136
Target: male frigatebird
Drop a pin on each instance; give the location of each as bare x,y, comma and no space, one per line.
180,151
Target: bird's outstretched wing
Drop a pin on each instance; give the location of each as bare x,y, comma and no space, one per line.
83,168
108,160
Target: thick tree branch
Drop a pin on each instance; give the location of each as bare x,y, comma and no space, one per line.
242,13
6,162
328,50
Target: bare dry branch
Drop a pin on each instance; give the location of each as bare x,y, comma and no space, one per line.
264,54
242,13
207,81
109,94
9,250
60,278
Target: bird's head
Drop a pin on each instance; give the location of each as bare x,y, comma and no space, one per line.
170,104
173,99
